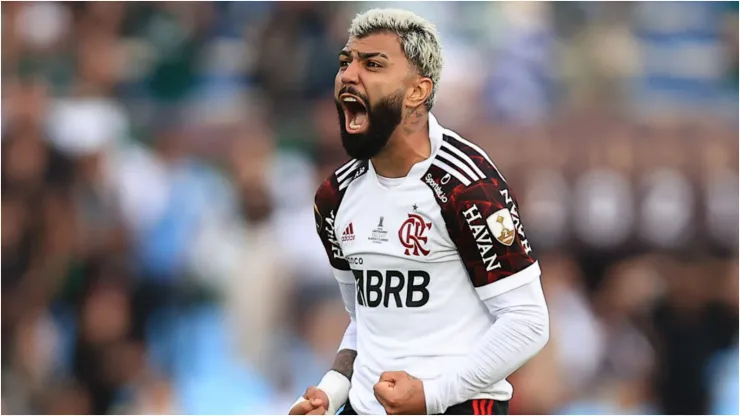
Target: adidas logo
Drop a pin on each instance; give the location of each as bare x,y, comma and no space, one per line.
349,233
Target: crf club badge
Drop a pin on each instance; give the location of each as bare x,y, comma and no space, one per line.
412,235
317,218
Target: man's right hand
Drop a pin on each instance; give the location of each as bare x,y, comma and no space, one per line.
316,403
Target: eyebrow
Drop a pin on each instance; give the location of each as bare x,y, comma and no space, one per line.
371,55
363,55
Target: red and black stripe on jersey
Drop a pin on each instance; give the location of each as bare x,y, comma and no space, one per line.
326,203
466,177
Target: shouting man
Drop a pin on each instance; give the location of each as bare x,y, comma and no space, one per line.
426,241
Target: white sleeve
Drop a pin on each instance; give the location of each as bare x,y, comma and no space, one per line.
521,329
347,288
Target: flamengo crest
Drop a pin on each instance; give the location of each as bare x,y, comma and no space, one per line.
412,235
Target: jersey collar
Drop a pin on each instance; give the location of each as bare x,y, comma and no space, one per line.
435,138
416,172
435,134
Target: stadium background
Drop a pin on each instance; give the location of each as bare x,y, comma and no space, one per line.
158,168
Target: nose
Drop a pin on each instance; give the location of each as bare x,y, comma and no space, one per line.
351,73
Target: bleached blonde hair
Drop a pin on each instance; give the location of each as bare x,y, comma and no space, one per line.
418,37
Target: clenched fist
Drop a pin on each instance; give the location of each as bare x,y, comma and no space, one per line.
317,403
401,393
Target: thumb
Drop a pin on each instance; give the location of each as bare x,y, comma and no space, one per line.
391,376
316,402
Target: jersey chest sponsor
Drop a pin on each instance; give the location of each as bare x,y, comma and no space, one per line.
392,288
436,186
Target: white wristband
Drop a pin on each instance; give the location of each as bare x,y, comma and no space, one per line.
336,386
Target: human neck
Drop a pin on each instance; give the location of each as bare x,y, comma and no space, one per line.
409,144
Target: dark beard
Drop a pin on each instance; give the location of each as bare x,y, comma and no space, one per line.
383,117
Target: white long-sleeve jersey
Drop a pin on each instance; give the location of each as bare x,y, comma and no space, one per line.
429,257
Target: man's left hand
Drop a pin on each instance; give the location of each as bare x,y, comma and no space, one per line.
401,394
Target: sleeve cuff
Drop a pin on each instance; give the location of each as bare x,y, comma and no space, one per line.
344,276
518,279
438,394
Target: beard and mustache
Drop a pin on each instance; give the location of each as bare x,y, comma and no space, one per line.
383,117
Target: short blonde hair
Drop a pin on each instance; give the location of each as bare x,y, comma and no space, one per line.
419,40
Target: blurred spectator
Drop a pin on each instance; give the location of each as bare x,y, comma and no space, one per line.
689,327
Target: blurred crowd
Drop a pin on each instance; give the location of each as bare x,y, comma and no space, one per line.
159,162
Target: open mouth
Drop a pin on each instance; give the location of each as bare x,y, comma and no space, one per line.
355,113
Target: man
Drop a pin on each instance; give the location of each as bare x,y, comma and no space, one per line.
425,240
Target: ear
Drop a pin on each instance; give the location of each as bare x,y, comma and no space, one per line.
419,92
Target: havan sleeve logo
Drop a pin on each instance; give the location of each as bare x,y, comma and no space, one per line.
482,237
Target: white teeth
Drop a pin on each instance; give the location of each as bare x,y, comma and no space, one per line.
349,100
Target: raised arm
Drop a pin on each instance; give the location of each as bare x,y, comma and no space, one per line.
332,391
483,219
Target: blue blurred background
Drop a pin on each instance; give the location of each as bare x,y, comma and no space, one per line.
158,168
